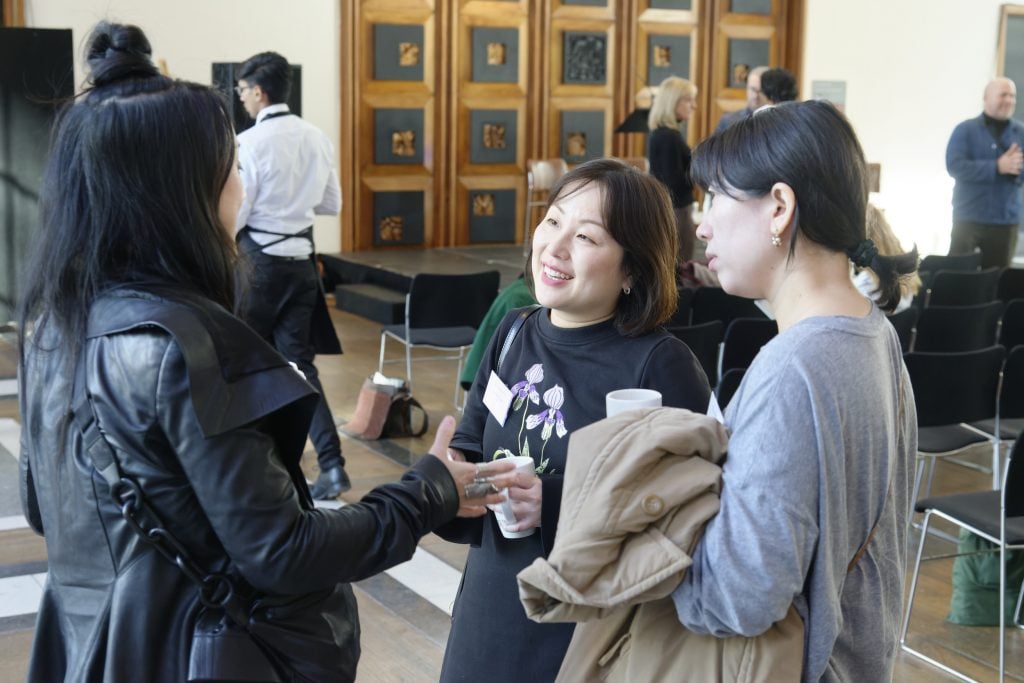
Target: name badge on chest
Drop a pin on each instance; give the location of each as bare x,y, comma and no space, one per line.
497,398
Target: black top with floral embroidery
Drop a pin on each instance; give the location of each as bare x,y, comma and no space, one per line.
559,378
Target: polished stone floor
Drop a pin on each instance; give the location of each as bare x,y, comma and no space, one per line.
405,612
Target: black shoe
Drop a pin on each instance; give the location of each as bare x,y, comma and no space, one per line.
331,483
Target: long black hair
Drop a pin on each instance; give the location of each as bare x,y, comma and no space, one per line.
811,147
131,190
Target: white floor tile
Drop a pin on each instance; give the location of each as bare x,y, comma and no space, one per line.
13,522
432,579
10,435
20,595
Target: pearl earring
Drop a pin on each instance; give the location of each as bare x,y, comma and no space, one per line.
626,290
776,240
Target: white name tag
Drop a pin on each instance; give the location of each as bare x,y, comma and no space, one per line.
497,398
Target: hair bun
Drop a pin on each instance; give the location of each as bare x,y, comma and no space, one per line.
117,52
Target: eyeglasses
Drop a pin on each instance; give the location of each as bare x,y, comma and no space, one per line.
239,89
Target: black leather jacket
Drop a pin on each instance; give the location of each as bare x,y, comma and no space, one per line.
211,422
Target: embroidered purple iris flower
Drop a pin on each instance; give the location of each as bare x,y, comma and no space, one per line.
550,417
526,389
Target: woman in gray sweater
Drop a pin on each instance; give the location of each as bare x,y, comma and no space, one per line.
823,427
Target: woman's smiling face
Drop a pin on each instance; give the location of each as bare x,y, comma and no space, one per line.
577,264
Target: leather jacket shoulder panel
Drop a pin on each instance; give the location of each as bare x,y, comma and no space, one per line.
235,376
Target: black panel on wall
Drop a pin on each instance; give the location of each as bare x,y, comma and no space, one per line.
495,55
36,73
667,56
397,218
744,55
492,136
398,136
672,4
225,78
398,52
492,216
584,58
582,135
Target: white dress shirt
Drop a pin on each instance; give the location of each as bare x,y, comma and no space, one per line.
287,169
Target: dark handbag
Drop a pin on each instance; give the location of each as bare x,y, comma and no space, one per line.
400,419
263,640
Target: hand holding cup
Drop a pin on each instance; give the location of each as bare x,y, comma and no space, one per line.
478,484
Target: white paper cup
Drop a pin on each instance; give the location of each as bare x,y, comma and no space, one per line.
621,400
503,512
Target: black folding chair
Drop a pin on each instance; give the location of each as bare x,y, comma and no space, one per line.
998,517
442,312
704,340
1008,422
728,385
1011,284
948,329
962,288
1011,327
905,323
933,263
744,337
951,390
681,317
713,303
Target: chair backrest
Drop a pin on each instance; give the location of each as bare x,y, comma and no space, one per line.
936,262
744,337
681,318
451,300
713,303
728,385
905,323
950,388
1011,330
957,328
545,172
703,340
1011,284
1013,488
1011,390
962,288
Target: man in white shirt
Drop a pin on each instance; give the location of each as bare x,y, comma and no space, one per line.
287,168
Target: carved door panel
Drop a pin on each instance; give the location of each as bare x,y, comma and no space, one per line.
390,132
491,62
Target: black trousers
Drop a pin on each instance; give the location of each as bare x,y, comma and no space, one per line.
996,242
278,303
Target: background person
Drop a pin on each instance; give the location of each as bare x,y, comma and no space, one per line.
669,155
754,100
131,280
287,168
777,85
814,501
602,269
984,157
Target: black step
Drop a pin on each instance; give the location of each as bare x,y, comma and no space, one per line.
385,305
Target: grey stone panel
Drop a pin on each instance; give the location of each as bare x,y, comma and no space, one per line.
679,58
387,55
388,122
486,72
497,227
589,124
479,151
403,214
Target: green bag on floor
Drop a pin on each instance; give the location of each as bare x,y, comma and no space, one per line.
975,600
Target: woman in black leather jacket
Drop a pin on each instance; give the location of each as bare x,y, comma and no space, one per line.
125,320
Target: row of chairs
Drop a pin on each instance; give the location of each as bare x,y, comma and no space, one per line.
961,328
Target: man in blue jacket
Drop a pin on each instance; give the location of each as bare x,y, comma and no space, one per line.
984,157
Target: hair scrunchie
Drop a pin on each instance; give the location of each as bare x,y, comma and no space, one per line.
863,254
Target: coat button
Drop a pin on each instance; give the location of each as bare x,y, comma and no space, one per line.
653,505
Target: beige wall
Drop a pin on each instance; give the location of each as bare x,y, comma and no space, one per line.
914,69
190,35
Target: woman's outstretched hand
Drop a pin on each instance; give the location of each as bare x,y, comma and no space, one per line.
478,484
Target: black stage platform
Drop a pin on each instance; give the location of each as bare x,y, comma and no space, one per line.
373,284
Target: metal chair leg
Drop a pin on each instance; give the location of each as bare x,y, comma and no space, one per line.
408,365
383,341
913,581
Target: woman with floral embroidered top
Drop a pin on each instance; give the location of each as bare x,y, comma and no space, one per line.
602,269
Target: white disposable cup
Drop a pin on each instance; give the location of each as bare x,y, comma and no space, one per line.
621,400
503,512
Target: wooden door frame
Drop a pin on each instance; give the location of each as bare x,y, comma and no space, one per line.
14,13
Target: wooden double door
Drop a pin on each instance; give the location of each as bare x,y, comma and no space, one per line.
444,101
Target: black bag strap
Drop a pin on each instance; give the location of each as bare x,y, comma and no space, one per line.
413,403
216,590
517,325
